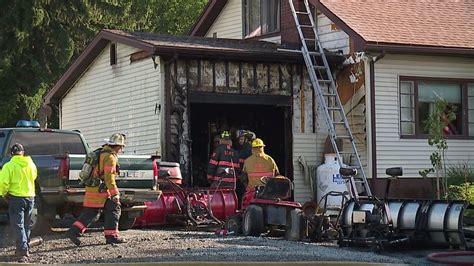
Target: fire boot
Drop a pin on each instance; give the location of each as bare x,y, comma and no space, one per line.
73,234
114,240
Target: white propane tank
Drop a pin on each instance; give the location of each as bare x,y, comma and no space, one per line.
329,179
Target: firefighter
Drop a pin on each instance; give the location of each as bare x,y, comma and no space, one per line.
17,186
244,150
103,197
224,157
258,165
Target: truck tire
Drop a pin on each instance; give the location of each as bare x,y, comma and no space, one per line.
253,221
294,225
40,222
126,222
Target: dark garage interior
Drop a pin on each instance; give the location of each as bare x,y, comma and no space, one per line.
271,123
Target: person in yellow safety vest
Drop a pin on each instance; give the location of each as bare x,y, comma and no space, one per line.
224,157
258,165
17,186
104,196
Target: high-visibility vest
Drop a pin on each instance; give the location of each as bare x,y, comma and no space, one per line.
18,176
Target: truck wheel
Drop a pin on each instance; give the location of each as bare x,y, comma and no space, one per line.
253,221
294,225
40,223
234,224
126,222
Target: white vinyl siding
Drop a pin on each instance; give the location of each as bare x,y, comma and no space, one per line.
412,154
121,98
275,39
306,143
333,39
228,23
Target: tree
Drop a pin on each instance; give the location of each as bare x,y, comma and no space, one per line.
40,38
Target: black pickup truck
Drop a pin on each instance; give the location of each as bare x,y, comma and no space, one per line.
58,155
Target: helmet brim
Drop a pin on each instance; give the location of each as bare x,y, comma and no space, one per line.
108,142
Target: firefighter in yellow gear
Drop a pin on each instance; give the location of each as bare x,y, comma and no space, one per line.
258,165
103,197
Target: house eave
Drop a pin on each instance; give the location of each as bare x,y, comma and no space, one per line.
418,49
207,17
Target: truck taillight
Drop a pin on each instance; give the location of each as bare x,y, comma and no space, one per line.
63,171
156,169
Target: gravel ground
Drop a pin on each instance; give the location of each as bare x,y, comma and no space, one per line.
177,245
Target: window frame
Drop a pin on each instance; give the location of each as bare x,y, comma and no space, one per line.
245,35
464,106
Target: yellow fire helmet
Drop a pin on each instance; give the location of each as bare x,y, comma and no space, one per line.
225,135
257,143
116,139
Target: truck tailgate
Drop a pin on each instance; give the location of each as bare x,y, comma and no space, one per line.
127,195
136,171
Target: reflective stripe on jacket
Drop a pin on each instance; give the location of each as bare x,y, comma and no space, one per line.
257,166
224,156
107,170
18,176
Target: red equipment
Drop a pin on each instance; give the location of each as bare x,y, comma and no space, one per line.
265,209
188,206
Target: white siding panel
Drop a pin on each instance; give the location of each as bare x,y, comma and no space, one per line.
412,154
121,98
310,146
332,39
275,39
229,22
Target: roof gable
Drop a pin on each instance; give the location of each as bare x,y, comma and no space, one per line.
207,17
444,25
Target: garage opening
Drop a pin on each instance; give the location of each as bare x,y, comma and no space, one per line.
271,123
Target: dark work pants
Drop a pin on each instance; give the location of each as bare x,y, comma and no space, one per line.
111,211
20,210
239,191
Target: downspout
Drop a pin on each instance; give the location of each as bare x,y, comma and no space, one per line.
372,135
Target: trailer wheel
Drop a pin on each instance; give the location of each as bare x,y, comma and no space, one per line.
294,225
253,221
126,222
234,224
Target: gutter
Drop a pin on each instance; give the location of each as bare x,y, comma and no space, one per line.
373,134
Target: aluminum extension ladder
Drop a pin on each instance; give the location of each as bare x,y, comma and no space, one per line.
328,98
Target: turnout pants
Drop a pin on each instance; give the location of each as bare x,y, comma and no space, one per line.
112,213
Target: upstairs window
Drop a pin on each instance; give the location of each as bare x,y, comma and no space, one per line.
417,100
261,17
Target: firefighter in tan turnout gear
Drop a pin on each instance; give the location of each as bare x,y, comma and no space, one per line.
102,197
258,165
224,157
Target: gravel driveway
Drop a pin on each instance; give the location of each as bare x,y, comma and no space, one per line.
176,244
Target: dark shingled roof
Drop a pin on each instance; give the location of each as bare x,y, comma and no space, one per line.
177,47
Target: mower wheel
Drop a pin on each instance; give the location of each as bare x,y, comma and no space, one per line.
294,225
253,221
234,224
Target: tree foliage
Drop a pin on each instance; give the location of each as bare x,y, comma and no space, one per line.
40,38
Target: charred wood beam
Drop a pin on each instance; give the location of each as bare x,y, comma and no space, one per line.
206,97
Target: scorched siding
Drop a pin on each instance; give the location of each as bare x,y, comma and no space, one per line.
412,154
124,97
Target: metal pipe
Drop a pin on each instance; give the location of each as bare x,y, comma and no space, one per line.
35,241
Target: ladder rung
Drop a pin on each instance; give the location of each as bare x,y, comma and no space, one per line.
306,26
324,81
334,108
319,67
309,39
339,123
330,95
346,152
343,137
301,13
314,53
